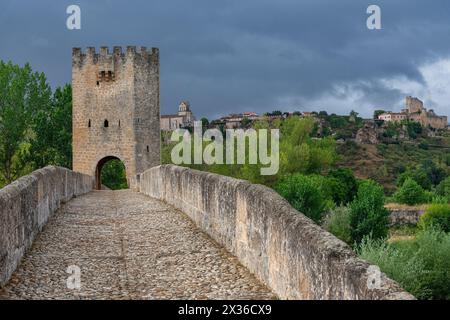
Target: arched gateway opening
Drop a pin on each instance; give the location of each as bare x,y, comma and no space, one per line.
111,173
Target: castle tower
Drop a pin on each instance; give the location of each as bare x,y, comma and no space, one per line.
115,110
413,105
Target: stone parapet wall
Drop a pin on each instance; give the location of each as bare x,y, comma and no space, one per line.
284,249
405,216
27,204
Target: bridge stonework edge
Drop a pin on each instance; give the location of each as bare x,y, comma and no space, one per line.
284,249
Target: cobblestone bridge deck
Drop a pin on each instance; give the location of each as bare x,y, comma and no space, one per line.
128,246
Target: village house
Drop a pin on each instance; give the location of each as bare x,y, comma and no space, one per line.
184,118
233,121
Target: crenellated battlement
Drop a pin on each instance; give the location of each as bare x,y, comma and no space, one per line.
91,56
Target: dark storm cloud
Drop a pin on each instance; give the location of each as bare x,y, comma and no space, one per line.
227,56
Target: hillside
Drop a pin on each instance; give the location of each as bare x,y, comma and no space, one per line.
385,161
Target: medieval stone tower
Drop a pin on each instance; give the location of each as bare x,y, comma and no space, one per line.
115,110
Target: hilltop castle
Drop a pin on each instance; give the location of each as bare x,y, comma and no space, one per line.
415,111
115,110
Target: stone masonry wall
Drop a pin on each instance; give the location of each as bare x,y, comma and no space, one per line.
26,205
120,89
286,250
405,216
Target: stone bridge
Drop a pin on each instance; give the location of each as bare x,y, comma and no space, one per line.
185,235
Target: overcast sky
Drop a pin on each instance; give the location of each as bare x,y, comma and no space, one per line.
253,55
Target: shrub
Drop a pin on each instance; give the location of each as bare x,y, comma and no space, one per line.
421,266
427,175
434,172
436,215
417,175
443,189
410,193
368,216
414,129
437,199
304,194
447,160
395,264
346,185
390,131
338,223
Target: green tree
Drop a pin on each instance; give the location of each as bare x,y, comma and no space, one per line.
427,175
346,185
52,142
304,195
245,122
205,122
23,93
114,175
414,129
298,153
391,131
443,189
434,173
436,216
447,160
301,154
326,132
337,122
276,113
368,216
410,193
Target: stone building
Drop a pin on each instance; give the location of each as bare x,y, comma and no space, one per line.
415,111
393,116
115,110
184,118
234,120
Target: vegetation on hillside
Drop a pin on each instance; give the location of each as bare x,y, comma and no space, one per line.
298,153
392,158
321,174
315,181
